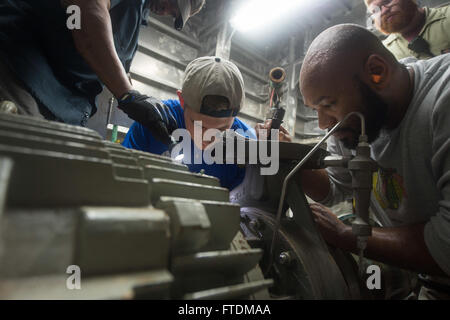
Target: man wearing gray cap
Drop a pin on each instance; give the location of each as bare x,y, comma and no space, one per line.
54,69
211,96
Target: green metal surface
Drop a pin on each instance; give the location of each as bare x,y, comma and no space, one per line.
137,225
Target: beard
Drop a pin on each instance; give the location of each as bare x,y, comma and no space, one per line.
401,20
374,110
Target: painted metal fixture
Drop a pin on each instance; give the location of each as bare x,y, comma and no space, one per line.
361,226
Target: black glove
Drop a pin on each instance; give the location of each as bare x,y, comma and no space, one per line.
151,113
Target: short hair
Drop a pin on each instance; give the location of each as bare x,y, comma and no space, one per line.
343,41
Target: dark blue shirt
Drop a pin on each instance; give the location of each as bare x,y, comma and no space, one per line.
37,45
140,138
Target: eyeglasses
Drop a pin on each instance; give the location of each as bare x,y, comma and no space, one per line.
375,6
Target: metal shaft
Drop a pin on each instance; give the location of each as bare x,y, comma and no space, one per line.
296,168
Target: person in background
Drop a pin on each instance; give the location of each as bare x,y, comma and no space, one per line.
213,93
51,72
422,33
407,115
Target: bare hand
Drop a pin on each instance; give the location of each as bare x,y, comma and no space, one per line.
331,228
263,129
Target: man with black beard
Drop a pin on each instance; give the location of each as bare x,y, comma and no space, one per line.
373,108
413,31
407,116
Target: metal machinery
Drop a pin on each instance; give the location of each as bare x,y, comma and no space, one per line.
301,264
276,111
295,256
136,224
142,226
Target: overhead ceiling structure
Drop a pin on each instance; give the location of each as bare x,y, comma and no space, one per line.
163,54
282,41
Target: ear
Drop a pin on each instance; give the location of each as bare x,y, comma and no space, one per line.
180,97
378,71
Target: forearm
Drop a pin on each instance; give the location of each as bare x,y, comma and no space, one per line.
315,183
399,246
95,43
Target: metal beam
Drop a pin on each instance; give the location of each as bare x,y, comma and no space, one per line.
245,115
154,82
174,33
223,43
306,118
162,56
255,97
250,72
243,48
308,135
208,30
244,69
171,87
211,52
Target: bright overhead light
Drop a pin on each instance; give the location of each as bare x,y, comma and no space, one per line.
257,13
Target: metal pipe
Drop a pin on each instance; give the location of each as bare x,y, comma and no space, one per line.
277,76
110,107
108,120
296,168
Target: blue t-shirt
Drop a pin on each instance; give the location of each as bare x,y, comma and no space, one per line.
37,45
140,138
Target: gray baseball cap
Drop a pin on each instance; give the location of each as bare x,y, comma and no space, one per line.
188,8
206,76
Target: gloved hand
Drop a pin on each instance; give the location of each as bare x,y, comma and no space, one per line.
151,113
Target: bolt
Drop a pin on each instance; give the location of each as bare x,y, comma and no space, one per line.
255,225
285,258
